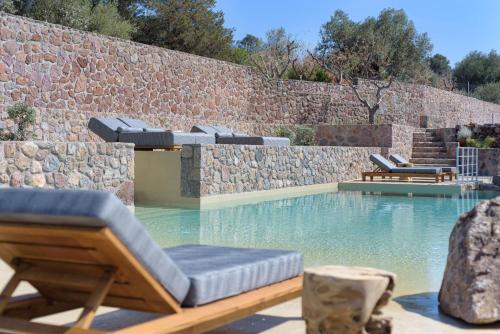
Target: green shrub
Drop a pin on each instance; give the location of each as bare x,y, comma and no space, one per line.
488,92
304,136
286,132
23,116
469,142
489,142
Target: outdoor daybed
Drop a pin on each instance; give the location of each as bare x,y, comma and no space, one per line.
399,160
128,130
387,168
225,135
85,249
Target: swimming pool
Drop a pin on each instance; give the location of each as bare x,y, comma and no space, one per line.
406,235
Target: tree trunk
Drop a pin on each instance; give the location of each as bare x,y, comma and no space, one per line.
371,114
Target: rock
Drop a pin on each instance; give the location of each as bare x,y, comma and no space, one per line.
346,300
471,282
16,179
51,163
125,192
36,167
21,162
38,181
29,149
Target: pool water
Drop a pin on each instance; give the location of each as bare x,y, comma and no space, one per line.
405,235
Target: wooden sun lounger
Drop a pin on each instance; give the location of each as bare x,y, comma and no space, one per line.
75,267
437,177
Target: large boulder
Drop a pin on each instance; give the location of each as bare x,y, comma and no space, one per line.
471,283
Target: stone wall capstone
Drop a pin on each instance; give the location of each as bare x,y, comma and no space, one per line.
70,76
226,169
70,165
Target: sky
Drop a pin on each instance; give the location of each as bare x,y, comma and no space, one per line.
455,27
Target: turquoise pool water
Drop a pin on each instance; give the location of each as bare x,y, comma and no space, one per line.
406,235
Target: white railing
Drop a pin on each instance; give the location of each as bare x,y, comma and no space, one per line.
467,165
466,201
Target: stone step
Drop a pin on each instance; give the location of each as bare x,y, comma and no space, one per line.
428,144
417,149
434,155
433,161
426,139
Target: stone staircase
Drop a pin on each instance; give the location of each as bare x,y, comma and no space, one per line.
429,150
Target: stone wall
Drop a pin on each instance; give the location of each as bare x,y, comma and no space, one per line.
101,166
70,76
354,135
225,169
489,161
392,138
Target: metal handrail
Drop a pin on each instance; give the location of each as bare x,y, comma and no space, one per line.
467,163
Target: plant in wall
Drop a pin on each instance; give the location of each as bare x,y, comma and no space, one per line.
304,136
286,132
463,134
23,116
490,142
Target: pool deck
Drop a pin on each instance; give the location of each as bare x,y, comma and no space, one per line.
413,314
415,187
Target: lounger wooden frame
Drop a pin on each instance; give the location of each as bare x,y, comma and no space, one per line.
438,177
75,267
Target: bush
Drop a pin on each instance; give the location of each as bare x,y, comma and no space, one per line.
489,142
283,131
24,117
300,135
469,142
304,136
463,134
488,92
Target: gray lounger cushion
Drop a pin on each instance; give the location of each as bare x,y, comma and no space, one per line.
220,272
400,160
106,128
382,162
268,141
449,169
389,167
416,170
396,158
165,138
215,130
134,123
94,208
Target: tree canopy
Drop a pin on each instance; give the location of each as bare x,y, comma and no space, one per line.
382,47
185,25
90,15
439,64
479,68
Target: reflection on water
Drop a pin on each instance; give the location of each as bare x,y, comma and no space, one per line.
406,235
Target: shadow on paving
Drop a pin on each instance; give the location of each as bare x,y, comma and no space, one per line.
256,323
426,305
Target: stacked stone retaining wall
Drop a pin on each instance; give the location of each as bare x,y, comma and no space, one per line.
226,169
70,76
97,166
